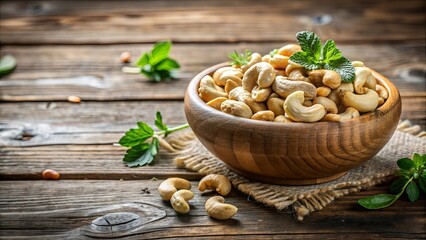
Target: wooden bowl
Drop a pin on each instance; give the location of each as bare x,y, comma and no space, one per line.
291,153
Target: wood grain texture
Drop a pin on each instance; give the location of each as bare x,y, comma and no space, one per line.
291,153
52,73
74,204
58,22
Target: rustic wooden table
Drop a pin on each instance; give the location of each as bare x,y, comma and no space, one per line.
72,48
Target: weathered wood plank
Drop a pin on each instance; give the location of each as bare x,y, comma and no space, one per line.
52,73
53,22
73,204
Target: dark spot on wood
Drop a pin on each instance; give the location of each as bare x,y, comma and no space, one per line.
322,19
413,74
145,190
113,219
35,8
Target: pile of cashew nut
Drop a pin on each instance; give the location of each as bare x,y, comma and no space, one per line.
276,89
177,191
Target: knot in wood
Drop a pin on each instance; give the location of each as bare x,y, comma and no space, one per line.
114,219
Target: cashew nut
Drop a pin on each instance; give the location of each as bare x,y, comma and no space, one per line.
225,73
282,119
285,87
267,115
349,113
363,103
255,58
335,93
276,105
215,103
260,94
331,79
216,182
316,76
363,78
330,105
236,108
357,64
179,201
279,61
307,103
209,90
231,84
291,66
297,112
323,91
297,75
216,208
383,93
261,73
289,50
169,186
244,96
266,58
381,101
279,72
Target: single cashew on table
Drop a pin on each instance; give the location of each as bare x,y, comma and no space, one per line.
216,182
171,185
218,209
273,88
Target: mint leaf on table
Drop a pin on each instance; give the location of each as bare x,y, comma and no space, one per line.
7,64
410,171
143,142
156,64
317,56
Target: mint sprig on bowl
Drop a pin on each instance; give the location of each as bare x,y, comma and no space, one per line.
317,56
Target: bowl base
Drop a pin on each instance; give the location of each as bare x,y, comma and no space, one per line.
287,181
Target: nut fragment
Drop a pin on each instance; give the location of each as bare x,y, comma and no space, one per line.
179,201
215,103
285,87
171,185
267,115
125,57
216,182
297,112
230,84
216,208
50,174
74,99
236,108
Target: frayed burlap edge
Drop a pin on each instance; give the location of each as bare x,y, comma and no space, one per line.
302,200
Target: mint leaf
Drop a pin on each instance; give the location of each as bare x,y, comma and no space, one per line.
304,60
418,160
378,201
167,64
330,52
240,59
412,191
343,67
160,52
405,163
136,136
310,44
143,60
7,64
422,184
397,185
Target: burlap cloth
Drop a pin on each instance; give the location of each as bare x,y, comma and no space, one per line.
303,200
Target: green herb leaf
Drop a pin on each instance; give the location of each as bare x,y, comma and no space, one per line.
160,52
310,44
142,155
405,163
412,191
167,64
159,122
143,60
418,160
378,201
397,185
422,184
240,59
304,60
273,52
136,136
316,56
7,64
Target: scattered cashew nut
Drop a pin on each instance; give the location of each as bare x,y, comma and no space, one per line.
216,208
216,182
297,112
171,185
179,201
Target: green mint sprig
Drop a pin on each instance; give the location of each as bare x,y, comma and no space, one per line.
156,64
143,142
240,59
410,171
7,64
316,56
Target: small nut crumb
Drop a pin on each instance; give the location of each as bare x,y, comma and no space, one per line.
125,57
74,99
50,174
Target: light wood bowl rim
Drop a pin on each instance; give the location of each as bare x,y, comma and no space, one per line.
193,86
